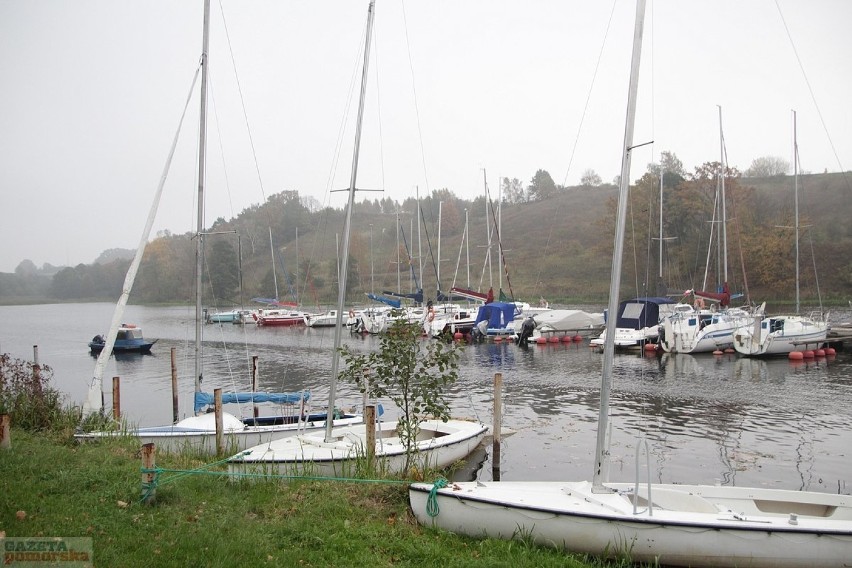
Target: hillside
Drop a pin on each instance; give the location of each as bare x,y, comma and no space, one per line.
557,248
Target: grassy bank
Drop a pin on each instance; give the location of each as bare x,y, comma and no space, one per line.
94,490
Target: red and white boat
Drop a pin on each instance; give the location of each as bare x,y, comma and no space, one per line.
281,314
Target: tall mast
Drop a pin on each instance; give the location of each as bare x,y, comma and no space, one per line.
796,199
419,241
347,225
662,173
602,451
438,269
467,244
398,259
202,171
724,219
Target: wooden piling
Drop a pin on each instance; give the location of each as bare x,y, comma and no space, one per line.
149,490
217,406
174,386
36,373
5,432
498,418
116,399
370,423
254,383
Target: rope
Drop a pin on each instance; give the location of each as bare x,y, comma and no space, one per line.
432,501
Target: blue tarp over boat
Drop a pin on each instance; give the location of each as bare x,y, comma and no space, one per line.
389,301
498,314
203,399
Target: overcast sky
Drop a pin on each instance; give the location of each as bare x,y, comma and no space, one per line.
91,92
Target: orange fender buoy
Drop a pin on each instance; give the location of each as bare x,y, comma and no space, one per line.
796,356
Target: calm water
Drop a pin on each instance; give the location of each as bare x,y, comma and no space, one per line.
706,419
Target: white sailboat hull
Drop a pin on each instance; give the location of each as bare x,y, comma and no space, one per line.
687,526
778,335
439,445
700,332
197,434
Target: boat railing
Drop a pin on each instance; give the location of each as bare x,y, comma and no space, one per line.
648,499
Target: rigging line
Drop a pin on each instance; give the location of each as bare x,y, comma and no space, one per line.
242,102
813,96
322,222
500,248
379,106
649,242
429,243
589,94
414,92
221,147
539,289
810,234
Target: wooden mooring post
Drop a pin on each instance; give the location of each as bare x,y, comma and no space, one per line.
116,399
498,418
5,432
149,490
217,406
174,386
370,423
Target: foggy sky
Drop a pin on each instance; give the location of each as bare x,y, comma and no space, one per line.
91,92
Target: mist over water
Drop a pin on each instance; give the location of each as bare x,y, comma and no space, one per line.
706,419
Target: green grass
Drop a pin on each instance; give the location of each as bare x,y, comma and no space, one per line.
94,490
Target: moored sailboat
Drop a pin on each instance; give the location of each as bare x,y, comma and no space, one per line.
199,432
783,334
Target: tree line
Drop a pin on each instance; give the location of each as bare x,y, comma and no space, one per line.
543,241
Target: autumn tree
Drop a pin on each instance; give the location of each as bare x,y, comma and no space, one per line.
590,178
768,166
512,190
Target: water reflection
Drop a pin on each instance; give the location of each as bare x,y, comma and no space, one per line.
706,418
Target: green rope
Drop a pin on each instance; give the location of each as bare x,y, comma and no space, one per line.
149,488
432,501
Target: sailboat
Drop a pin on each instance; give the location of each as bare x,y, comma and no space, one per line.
333,453
783,334
662,524
699,329
198,432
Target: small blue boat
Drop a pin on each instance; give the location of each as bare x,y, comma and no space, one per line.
128,340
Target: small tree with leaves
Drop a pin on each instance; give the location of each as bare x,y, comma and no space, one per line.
412,372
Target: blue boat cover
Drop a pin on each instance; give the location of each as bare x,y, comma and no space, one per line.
639,313
498,314
389,301
203,399
416,296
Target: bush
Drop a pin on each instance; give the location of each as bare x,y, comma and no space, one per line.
26,396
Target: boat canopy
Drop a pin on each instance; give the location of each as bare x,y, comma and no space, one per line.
389,301
416,296
639,313
469,294
203,399
723,296
498,314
